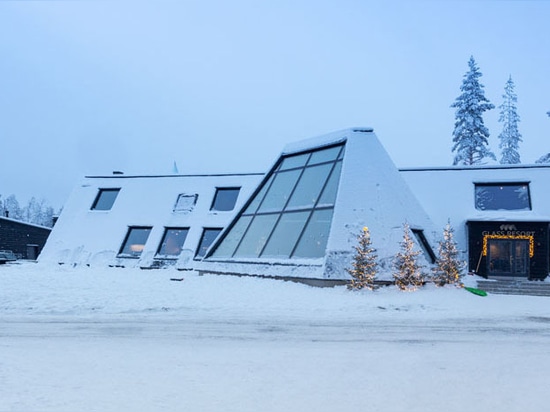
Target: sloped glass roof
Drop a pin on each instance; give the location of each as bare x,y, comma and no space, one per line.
291,213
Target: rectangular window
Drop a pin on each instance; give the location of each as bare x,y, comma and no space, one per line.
172,242
135,240
424,245
208,237
502,196
105,199
225,199
185,202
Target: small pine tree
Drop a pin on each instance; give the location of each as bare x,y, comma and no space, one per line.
510,135
408,272
365,264
448,269
470,136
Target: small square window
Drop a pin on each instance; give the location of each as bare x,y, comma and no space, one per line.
105,199
208,237
502,196
172,242
185,202
225,199
135,240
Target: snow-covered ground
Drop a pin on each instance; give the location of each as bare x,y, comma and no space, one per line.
92,339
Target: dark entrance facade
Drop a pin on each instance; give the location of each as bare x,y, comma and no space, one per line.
509,249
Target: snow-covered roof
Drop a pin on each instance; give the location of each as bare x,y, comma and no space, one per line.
21,222
86,236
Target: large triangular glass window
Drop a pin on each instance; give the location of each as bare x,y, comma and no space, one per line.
291,213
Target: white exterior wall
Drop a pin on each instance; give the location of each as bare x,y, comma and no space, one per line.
85,236
449,194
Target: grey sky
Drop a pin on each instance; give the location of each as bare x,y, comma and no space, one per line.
87,87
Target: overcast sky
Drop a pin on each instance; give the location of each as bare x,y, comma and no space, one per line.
88,87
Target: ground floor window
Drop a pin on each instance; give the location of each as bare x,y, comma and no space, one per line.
135,240
172,242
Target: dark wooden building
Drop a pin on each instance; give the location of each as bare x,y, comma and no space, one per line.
25,240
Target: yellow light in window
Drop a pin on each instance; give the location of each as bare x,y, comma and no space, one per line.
137,247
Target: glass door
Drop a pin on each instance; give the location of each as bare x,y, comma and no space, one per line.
508,257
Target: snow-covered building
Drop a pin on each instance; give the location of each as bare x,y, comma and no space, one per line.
25,240
145,221
303,219
300,220
501,214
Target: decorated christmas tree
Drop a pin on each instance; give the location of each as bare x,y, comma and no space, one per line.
448,269
408,272
364,263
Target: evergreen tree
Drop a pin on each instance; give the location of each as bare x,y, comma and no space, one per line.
11,205
543,159
364,264
448,269
470,134
510,136
408,272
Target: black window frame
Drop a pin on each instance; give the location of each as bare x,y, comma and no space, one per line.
121,253
225,190
100,194
200,246
163,240
482,185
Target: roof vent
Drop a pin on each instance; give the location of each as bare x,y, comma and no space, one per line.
118,172
363,130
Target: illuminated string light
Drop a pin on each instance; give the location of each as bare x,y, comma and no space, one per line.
530,238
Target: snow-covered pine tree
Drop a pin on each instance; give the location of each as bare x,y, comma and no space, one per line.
408,272
470,136
365,264
448,269
510,136
543,159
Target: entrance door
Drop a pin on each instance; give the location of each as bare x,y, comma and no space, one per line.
508,257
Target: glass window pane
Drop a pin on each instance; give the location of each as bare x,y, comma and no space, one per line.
309,187
227,247
256,236
172,242
185,202
314,240
135,241
324,155
253,206
286,234
291,162
208,237
329,193
280,191
105,199
225,199
502,197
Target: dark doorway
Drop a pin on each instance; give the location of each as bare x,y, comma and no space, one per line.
508,257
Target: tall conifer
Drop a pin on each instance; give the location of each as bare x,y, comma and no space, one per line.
470,136
510,135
